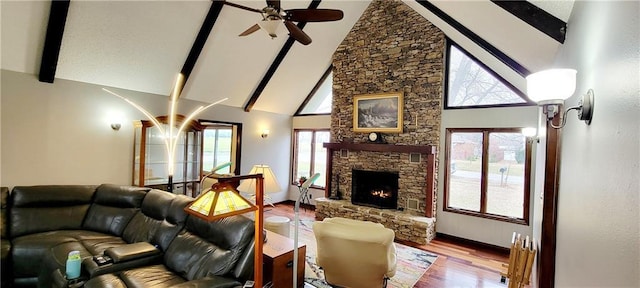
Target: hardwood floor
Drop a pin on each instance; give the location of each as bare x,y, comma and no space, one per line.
458,264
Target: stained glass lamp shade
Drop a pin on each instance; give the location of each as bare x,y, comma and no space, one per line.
222,200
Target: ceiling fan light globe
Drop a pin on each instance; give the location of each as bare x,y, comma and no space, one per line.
272,27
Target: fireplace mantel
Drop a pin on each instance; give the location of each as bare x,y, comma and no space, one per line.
429,150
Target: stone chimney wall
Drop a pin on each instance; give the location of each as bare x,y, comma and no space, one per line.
390,49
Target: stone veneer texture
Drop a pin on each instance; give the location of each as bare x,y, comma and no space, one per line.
391,48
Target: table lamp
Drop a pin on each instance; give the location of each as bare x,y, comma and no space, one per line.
271,184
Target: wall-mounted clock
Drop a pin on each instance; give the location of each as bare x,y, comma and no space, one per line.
375,137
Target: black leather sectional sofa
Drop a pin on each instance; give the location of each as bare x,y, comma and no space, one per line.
45,223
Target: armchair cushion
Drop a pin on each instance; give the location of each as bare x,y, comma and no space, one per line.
355,253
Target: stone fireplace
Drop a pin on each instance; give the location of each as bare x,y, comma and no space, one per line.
415,222
378,189
391,48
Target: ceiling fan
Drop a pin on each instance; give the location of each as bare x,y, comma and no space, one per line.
273,14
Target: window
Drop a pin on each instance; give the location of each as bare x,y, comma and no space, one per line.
488,173
471,84
309,155
320,98
219,147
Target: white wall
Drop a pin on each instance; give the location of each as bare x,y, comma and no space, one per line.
469,227
538,190
59,133
598,239
309,122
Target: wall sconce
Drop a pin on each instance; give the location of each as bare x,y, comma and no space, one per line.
114,118
551,87
265,133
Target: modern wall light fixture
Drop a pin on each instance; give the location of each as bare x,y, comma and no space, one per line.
265,133
114,118
551,87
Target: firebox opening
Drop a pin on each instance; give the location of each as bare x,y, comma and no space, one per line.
377,189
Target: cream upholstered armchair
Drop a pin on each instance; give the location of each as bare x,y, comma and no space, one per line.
355,253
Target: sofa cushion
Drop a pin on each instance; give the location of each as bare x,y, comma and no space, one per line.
160,219
107,280
48,207
209,248
29,251
113,207
157,276
151,276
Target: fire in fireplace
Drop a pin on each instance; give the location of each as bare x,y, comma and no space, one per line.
377,189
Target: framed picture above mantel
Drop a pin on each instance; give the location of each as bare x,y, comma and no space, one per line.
378,112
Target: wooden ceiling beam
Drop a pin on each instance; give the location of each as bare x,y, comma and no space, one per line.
53,40
536,18
276,63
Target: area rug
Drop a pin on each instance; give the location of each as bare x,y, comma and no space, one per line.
412,263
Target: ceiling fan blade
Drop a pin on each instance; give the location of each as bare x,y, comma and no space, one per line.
251,29
313,15
242,7
297,33
274,3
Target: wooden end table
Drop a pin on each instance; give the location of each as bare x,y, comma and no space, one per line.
278,261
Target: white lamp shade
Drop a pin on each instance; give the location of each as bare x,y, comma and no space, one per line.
271,184
271,26
551,84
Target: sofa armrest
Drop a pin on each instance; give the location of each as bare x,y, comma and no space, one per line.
131,252
93,269
210,282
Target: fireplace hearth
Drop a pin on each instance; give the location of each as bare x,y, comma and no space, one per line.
377,189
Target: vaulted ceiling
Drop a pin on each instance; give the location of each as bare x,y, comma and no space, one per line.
143,45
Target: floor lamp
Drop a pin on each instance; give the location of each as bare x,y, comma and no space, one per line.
223,200
304,189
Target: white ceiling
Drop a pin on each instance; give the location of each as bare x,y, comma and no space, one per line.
142,45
